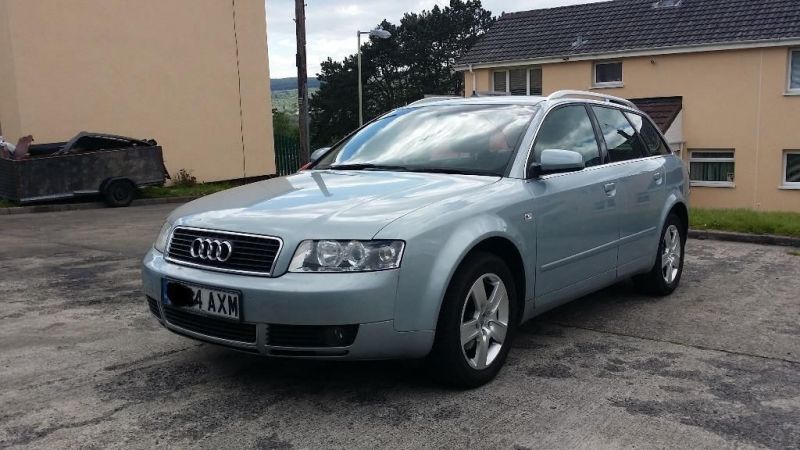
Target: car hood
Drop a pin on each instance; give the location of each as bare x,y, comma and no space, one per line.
324,204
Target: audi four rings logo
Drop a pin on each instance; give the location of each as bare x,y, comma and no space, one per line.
211,249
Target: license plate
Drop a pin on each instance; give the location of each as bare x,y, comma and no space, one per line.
203,300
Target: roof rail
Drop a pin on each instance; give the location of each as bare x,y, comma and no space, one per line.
433,99
594,95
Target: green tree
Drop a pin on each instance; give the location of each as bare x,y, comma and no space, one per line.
417,60
284,124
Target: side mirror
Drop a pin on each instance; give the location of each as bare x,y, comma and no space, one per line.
317,154
556,161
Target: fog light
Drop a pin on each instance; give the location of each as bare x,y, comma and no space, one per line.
334,336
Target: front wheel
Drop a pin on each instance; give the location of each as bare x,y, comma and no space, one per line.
476,323
665,275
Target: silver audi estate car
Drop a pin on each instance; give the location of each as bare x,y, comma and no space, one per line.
433,231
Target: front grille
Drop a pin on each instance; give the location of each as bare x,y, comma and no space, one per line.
311,335
211,326
250,254
153,304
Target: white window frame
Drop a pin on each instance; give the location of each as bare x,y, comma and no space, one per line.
793,53
608,84
784,183
508,70
495,72
724,184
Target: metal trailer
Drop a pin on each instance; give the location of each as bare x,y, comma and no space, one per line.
89,164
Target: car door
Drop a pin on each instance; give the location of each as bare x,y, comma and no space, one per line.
575,213
640,185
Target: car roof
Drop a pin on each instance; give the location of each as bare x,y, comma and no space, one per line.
494,100
563,96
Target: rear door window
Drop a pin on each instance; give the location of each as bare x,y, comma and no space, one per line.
651,137
621,139
568,128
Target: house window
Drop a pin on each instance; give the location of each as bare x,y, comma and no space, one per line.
608,74
535,81
711,167
500,81
518,81
791,169
794,71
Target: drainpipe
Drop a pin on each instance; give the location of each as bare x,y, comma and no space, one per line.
473,80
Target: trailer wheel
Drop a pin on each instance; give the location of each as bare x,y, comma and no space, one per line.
119,193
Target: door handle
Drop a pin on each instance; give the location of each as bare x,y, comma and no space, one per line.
610,188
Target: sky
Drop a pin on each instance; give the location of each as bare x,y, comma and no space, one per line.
331,25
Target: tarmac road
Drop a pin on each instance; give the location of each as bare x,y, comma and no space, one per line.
82,362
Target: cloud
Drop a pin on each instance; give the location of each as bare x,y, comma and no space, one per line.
331,26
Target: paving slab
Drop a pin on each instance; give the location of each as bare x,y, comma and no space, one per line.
83,364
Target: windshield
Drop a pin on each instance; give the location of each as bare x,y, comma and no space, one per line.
469,139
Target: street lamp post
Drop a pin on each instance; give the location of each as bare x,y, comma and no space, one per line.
376,33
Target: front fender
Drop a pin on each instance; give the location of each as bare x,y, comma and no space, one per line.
431,259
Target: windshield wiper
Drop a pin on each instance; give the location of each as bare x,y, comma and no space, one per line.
366,166
453,171
421,169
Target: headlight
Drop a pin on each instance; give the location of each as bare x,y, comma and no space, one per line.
346,256
163,237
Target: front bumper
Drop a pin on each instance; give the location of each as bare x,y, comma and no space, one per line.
299,299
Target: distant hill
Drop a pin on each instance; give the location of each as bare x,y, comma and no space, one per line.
285,84
286,100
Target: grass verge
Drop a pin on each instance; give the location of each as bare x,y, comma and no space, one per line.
745,221
196,190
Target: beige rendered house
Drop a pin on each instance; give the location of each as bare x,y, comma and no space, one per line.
721,78
191,74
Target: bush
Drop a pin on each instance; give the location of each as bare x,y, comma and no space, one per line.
184,178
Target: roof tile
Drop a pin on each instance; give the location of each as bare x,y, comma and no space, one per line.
624,25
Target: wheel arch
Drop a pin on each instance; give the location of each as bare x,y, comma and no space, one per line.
506,250
110,180
680,209
431,263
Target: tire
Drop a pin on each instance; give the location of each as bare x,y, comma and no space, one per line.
666,273
485,348
119,193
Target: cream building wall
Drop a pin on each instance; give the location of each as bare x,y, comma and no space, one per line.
731,99
192,74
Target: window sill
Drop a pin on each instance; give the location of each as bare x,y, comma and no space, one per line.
791,94
788,187
714,184
610,86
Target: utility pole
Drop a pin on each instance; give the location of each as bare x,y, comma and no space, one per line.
302,78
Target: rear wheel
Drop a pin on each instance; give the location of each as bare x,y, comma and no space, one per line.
476,323
119,193
665,275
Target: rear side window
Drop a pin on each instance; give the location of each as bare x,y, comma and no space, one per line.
568,128
620,137
651,137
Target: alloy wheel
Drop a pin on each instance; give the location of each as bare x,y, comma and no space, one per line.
484,321
671,257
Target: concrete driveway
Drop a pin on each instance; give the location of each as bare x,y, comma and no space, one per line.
82,362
